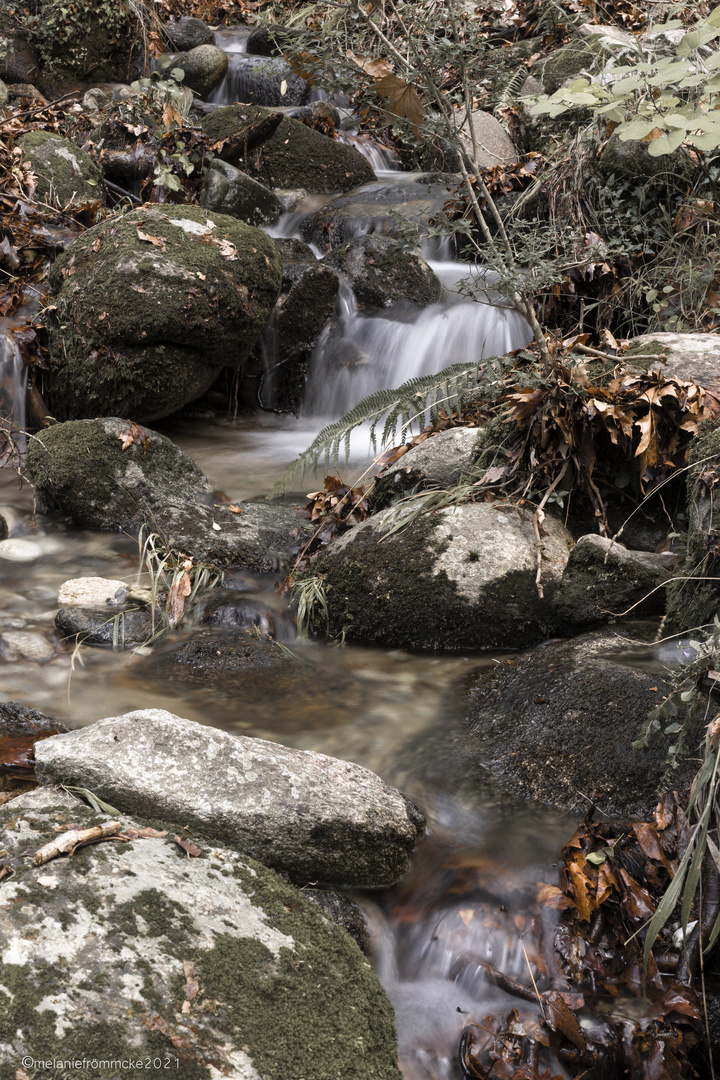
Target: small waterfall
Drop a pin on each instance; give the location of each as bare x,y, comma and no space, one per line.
255,79
13,387
381,158
359,353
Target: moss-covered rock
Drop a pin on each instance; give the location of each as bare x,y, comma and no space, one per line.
682,356
214,965
204,68
65,173
149,307
632,160
188,32
462,578
227,190
81,469
383,272
295,156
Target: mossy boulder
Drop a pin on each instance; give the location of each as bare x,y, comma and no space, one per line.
557,725
272,40
204,66
188,32
227,190
295,156
632,160
65,173
81,469
260,80
213,965
461,578
19,61
603,580
149,307
383,272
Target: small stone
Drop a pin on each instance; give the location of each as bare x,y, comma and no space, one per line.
18,550
90,591
25,645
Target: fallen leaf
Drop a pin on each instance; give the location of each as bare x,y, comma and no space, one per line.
190,849
402,97
176,597
235,509
156,240
466,915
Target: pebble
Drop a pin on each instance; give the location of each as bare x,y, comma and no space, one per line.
26,645
91,591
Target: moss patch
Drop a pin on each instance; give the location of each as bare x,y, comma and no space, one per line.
65,173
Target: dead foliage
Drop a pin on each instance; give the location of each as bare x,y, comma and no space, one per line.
17,763
333,510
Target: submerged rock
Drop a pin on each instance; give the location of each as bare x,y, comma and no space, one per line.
150,306
603,580
204,67
212,965
312,816
295,156
81,469
383,272
102,626
227,190
557,726
461,578
65,173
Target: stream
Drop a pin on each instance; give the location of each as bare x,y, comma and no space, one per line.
469,899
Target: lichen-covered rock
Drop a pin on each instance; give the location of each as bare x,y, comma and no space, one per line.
603,580
81,469
213,966
19,62
383,272
438,462
684,356
461,578
204,68
150,306
101,626
312,816
188,32
557,726
227,190
65,173
92,592
295,156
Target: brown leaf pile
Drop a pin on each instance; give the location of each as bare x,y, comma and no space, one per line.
333,510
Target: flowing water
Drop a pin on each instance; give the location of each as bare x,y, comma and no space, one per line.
469,900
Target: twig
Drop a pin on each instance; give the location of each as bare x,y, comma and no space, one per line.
121,191
73,838
537,521
537,992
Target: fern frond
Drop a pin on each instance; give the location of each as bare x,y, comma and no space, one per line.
510,93
403,407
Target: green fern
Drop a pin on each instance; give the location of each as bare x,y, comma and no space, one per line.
403,408
510,93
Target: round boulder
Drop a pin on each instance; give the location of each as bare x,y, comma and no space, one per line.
204,68
227,190
461,578
382,272
65,173
149,307
110,474
187,33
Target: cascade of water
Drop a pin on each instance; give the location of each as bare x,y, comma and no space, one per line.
381,158
234,44
13,387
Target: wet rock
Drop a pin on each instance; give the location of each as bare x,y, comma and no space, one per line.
294,250
3,528
204,68
307,301
151,306
231,609
603,580
344,912
18,549
462,578
3,94
19,62
25,645
259,80
17,720
684,356
227,190
188,32
217,652
81,469
119,949
438,462
557,726
102,626
295,155
91,592
65,173
271,40
314,817
392,208
383,272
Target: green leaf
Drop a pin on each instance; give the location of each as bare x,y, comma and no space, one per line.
713,18
597,858
178,74
706,143
696,38
636,129
666,144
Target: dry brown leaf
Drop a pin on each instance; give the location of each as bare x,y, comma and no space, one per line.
171,116
176,597
402,97
158,241
378,69
190,849
235,509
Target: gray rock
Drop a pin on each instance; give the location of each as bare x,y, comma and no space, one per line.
19,62
493,142
344,912
294,250
204,68
603,580
684,356
102,626
295,156
151,306
3,528
188,32
383,272
81,469
259,81
271,40
314,817
438,463
65,173
91,592
95,99
214,965
19,720
227,190
461,578
26,645
3,94
557,726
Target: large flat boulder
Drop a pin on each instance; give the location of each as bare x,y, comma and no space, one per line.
461,578
150,306
683,356
312,816
207,966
